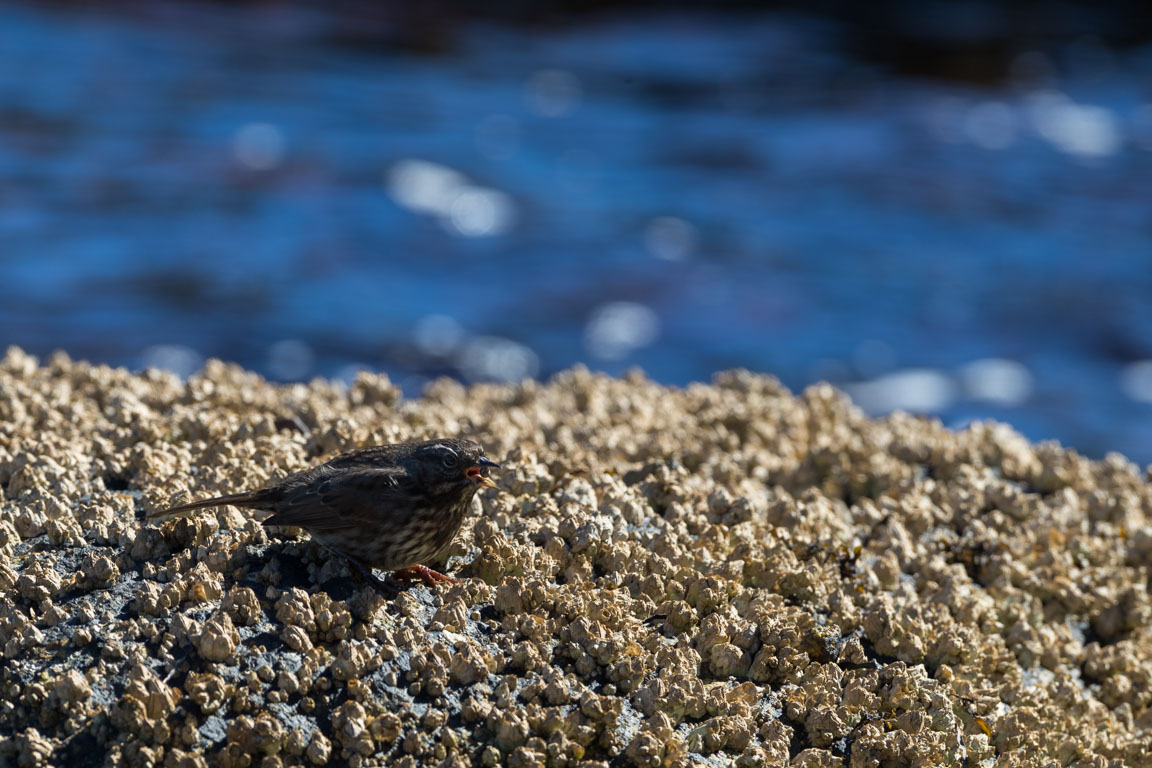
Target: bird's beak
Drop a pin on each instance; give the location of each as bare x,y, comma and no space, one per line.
476,471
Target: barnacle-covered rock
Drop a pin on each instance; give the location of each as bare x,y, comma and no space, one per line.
724,573
145,706
72,687
216,639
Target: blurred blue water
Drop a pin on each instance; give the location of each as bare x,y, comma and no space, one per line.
685,194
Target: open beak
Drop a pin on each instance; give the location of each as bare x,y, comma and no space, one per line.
476,472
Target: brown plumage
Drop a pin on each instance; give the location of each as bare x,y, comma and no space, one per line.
393,507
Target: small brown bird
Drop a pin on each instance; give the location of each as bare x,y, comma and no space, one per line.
392,507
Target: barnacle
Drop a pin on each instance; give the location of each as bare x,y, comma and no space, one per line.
725,572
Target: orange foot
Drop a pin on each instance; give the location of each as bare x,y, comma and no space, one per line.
429,576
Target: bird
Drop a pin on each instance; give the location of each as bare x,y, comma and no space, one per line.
392,507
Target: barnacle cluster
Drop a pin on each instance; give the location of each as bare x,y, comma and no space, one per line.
724,574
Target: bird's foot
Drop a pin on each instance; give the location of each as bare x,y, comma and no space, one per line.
423,572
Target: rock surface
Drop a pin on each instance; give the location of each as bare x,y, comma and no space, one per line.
719,575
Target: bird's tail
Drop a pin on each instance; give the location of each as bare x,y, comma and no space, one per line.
249,499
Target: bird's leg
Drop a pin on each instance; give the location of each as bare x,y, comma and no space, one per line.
373,579
366,572
429,576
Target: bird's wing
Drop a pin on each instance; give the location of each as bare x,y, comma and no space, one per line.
340,500
381,457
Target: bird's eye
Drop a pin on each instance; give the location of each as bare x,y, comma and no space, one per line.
450,460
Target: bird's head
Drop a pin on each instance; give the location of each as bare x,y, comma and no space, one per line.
451,464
